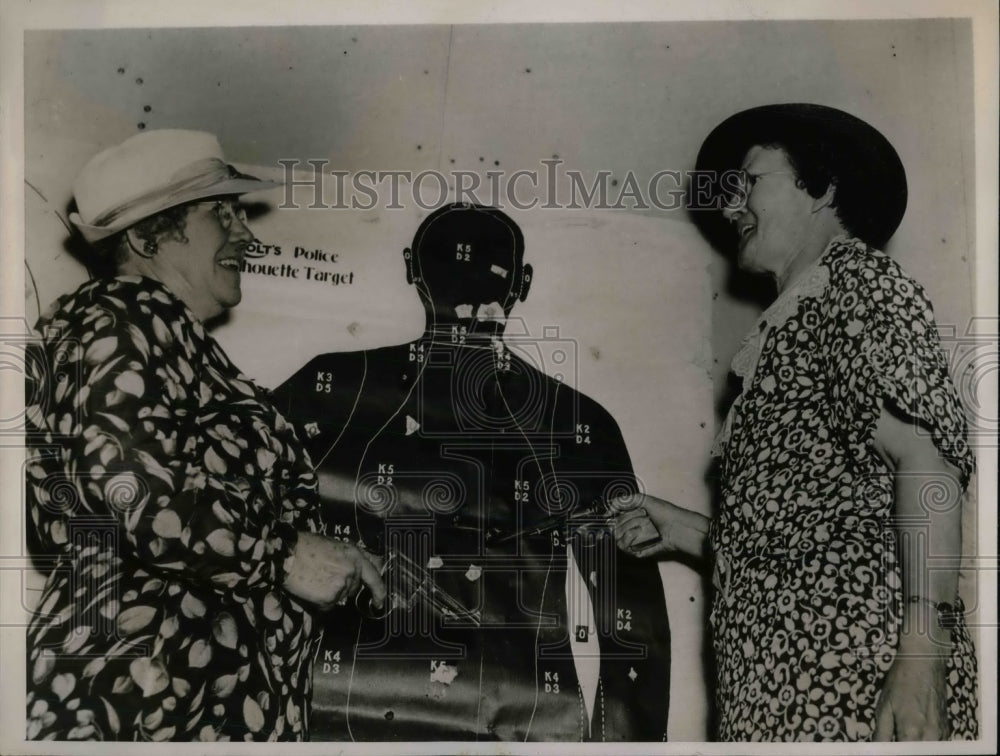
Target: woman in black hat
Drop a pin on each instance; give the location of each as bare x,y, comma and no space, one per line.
828,623
176,507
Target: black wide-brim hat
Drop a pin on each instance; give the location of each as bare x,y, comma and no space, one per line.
865,163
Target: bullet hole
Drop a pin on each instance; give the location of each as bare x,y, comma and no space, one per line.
121,71
451,160
614,182
481,158
146,108
715,295
527,70
942,240
354,39
691,599
496,162
390,715
345,52
420,146
139,82
426,72
141,125
963,259
291,68
701,425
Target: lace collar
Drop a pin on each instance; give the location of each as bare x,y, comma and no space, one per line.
812,283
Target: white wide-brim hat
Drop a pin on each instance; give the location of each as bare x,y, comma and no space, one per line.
151,172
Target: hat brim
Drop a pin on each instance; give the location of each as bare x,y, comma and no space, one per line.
240,184
883,182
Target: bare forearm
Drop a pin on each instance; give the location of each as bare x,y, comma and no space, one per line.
929,521
688,533
913,704
929,526
928,515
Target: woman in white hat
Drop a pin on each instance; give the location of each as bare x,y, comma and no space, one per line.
848,433
176,506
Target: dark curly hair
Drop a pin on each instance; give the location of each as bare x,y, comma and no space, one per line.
112,252
818,163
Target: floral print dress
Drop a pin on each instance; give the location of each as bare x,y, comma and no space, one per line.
807,613
166,492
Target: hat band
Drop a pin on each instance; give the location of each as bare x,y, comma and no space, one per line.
200,174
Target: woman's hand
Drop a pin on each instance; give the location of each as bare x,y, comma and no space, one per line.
634,527
648,526
325,571
913,705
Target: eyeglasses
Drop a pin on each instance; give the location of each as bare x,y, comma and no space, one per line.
737,185
229,210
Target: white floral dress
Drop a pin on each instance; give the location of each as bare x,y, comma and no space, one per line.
166,492
806,619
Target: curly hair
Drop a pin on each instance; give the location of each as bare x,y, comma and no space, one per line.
112,252
819,163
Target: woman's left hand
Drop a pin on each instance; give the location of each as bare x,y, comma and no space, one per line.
913,705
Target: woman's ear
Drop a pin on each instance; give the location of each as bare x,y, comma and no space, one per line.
826,199
142,247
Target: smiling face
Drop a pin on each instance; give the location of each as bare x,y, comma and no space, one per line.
204,271
772,217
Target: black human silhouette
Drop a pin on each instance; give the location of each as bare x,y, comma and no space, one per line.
472,472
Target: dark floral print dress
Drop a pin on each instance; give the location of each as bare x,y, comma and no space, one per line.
807,613
166,492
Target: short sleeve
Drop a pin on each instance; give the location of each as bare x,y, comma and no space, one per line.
884,349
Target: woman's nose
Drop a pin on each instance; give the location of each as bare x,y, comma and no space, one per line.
240,230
